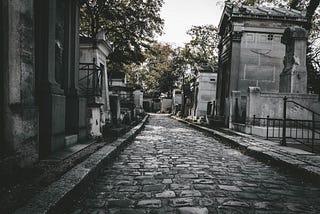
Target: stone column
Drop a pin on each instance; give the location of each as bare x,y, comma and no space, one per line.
235,61
233,76
293,78
51,95
72,103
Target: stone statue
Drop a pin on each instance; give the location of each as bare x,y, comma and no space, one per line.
59,42
293,78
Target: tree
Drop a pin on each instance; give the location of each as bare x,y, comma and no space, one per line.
203,46
130,25
161,70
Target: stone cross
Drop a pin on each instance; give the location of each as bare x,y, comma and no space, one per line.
293,78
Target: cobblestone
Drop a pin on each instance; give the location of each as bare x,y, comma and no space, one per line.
172,168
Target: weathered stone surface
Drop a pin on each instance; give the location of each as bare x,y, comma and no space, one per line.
204,187
127,211
167,181
233,182
149,203
229,188
166,194
181,202
179,186
150,188
120,203
129,189
236,204
190,193
203,181
193,210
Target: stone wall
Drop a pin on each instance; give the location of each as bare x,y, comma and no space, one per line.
261,56
138,98
19,101
206,93
166,104
264,104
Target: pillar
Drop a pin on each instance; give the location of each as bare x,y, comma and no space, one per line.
51,96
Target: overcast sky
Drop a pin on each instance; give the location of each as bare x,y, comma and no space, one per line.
180,15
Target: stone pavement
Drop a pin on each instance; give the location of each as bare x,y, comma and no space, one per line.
306,163
172,168
58,194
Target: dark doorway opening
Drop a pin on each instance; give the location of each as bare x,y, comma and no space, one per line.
41,20
1,78
3,70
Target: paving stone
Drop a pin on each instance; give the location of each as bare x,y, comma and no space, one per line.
127,211
294,207
179,186
181,202
96,211
265,205
144,177
166,194
203,187
190,193
203,181
204,202
151,188
120,203
229,188
193,210
125,183
148,181
188,176
154,203
128,188
77,211
95,203
167,181
182,166
141,195
236,204
195,172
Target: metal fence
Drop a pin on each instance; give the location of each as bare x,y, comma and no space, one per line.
306,132
90,79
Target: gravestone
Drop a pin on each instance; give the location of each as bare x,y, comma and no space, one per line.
293,78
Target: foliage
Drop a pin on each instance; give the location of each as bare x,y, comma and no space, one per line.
130,25
160,71
203,46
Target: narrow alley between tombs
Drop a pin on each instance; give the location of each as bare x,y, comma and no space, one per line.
172,168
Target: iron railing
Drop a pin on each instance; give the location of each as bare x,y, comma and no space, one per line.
306,132
90,79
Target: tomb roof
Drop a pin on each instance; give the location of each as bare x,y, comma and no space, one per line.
236,12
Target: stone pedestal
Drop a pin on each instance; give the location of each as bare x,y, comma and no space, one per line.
52,124
82,132
293,78
236,106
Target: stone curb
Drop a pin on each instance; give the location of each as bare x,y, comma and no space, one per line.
60,192
264,154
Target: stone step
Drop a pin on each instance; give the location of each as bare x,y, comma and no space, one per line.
70,140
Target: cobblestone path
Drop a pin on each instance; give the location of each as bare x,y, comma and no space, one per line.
171,168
